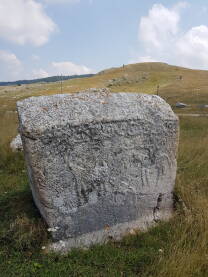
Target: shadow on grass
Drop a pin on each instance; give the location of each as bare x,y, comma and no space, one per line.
21,226
23,233
15,203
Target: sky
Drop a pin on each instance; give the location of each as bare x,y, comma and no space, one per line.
41,38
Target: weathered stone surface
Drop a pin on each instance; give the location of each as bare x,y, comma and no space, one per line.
16,144
100,164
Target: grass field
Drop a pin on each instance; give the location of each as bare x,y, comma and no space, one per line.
178,248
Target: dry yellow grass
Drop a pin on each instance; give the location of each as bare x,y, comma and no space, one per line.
188,254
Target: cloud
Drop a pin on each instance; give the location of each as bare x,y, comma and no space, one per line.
61,1
65,1
162,38
143,59
180,5
192,48
9,63
39,73
25,21
9,58
160,26
60,68
12,69
69,68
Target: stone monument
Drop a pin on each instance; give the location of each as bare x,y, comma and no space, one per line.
100,164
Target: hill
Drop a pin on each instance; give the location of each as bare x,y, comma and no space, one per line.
45,80
173,83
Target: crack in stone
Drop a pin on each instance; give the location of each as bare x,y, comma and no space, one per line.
157,207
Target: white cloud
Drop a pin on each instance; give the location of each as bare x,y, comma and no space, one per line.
39,73
192,48
69,68
61,1
160,26
9,58
143,59
65,1
25,21
12,69
60,68
9,65
180,5
163,40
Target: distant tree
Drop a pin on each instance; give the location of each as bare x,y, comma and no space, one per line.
45,80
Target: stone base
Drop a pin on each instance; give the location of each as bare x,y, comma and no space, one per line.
115,233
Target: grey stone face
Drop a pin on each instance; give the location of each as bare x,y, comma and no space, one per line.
100,164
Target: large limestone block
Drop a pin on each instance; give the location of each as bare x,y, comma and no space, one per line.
100,164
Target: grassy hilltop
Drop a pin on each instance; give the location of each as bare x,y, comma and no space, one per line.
176,84
178,248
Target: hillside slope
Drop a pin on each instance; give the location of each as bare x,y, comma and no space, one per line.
45,80
176,84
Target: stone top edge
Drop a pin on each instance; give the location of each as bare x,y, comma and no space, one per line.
93,105
84,96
